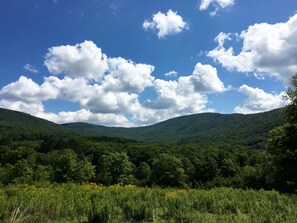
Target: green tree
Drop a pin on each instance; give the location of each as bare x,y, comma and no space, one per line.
114,168
85,171
206,169
168,171
282,145
144,173
22,172
67,167
228,168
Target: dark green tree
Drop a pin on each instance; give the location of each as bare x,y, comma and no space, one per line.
282,145
168,171
144,173
67,167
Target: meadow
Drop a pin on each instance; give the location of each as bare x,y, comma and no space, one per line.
95,203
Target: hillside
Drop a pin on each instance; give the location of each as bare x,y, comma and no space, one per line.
204,129
18,125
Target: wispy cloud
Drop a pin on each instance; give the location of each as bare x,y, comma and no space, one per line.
217,4
30,68
171,74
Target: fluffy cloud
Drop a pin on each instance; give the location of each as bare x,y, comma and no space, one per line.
27,107
205,79
81,60
92,96
166,24
27,90
259,101
108,97
184,96
86,60
124,75
268,49
218,4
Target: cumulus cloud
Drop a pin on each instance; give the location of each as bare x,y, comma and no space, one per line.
113,97
26,90
27,107
217,4
30,68
186,95
205,79
125,75
81,60
259,100
166,23
267,49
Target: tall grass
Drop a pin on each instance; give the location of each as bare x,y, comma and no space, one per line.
94,203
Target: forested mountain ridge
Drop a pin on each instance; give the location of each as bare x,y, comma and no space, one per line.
19,125
206,128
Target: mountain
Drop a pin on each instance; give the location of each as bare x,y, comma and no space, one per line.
204,129
19,125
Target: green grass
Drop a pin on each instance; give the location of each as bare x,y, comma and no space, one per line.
93,203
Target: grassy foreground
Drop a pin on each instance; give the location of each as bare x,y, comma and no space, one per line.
93,203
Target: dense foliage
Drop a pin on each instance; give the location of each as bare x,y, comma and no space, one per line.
203,129
33,150
92,203
283,146
111,161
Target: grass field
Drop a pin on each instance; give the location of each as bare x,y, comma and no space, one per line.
94,203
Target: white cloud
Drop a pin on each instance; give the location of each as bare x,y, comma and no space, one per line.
171,74
26,90
84,115
108,97
217,4
268,49
30,68
81,60
31,108
86,60
125,75
110,102
205,79
186,95
93,97
166,24
259,100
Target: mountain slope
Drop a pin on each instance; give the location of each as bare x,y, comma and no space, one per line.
18,125
208,128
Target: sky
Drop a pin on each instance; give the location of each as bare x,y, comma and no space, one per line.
136,62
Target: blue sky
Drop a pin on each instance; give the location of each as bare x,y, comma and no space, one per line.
132,63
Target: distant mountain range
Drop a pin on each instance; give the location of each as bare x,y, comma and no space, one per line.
204,129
